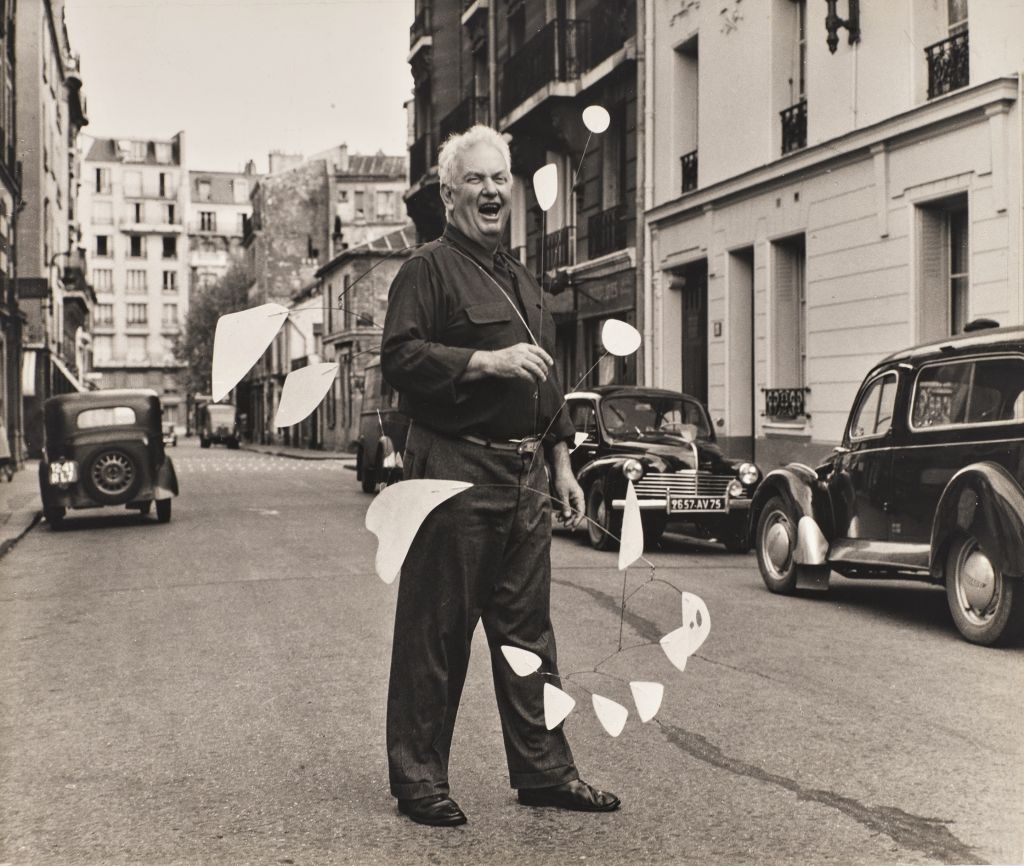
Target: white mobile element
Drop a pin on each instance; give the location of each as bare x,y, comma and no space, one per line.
682,643
596,118
620,338
557,705
239,341
578,439
631,548
545,185
395,516
302,392
647,697
523,662
611,715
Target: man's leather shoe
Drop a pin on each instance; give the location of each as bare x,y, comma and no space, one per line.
436,810
576,795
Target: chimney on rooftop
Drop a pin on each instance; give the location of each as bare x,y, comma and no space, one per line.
343,158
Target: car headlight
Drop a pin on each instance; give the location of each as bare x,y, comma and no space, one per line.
734,489
748,473
633,469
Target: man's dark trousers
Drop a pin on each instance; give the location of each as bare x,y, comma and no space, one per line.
484,554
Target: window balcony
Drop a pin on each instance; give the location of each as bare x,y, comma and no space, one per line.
473,109
556,53
606,231
557,251
785,404
949,66
420,36
421,157
689,163
611,25
474,11
794,127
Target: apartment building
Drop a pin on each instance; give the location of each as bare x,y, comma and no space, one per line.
825,189
529,68
218,209
134,202
10,195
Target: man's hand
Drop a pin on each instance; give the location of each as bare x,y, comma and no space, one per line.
571,503
521,361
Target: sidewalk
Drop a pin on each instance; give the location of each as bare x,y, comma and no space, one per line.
20,505
300,453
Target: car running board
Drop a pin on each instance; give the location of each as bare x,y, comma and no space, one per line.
903,555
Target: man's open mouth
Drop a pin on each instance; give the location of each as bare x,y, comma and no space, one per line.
490,209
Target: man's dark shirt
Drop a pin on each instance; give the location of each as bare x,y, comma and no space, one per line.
442,307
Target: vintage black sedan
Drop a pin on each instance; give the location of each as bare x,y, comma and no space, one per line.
664,443
105,448
927,484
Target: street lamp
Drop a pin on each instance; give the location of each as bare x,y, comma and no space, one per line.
851,22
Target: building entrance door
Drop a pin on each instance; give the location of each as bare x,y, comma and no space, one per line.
694,286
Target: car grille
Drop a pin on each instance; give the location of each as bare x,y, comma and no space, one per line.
683,483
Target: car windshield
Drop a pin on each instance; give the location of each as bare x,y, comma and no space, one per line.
108,416
222,414
631,416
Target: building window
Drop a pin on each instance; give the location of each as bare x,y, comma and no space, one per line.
103,245
207,221
103,213
136,249
137,213
240,190
103,314
135,282
170,315
385,205
137,314
133,183
166,185
241,224
137,151
102,349
359,196
943,296
164,154
103,280
103,181
957,16
170,281
204,190
789,311
343,196
169,214
137,350
170,247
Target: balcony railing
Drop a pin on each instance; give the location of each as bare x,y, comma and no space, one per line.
785,404
421,157
794,127
606,231
611,24
557,247
689,161
948,65
556,53
473,109
420,26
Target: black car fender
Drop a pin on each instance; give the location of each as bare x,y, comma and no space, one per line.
166,485
985,500
800,488
610,468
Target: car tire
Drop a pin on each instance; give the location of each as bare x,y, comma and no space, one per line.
603,524
163,510
654,527
233,444
112,475
776,546
987,606
54,515
204,443
368,477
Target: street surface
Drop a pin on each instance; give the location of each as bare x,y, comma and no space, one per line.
213,691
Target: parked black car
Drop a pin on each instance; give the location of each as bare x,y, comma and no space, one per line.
927,484
382,432
105,448
664,442
217,424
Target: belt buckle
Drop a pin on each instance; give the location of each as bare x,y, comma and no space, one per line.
528,445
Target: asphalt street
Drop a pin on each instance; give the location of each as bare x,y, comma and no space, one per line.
213,691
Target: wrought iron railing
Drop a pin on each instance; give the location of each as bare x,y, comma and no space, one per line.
794,127
420,157
420,26
948,64
689,161
472,109
557,249
785,404
556,53
606,231
611,24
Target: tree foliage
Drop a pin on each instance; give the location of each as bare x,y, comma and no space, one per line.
194,347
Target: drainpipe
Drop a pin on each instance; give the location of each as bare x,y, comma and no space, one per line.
492,63
645,63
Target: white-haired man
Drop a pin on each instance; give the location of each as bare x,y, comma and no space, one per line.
468,346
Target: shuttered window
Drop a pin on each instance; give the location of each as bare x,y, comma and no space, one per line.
789,314
943,268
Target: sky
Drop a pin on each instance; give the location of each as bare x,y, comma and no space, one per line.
244,77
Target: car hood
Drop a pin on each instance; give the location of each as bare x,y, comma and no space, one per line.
672,453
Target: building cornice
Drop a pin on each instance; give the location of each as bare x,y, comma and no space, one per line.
971,104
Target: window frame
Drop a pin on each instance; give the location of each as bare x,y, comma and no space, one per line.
859,405
964,425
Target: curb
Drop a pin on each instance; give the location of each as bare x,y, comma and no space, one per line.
9,543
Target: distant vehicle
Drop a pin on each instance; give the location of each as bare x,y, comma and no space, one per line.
105,448
170,435
928,484
382,432
664,443
217,424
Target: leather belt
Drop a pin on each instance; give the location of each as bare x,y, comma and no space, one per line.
521,446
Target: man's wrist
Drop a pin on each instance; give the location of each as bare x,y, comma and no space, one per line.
479,366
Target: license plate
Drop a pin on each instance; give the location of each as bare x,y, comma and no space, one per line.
63,473
679,504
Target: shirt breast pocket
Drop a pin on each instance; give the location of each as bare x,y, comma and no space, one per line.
488,325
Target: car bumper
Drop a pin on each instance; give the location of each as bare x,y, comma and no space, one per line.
662,505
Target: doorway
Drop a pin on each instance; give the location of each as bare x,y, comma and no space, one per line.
692,281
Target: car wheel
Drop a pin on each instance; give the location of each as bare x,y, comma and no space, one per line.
776,546
232,444
55,516
603,523
163,510
112,476
369,477
654,527
987,607
204,443
734,536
